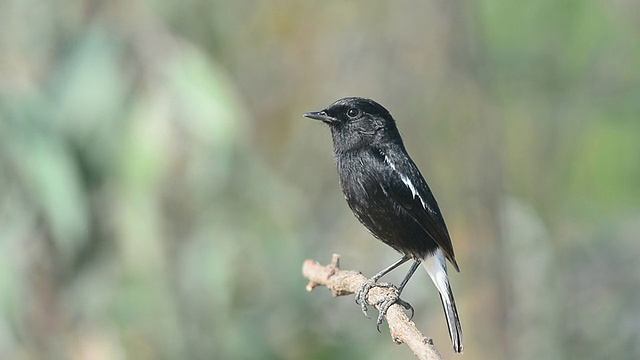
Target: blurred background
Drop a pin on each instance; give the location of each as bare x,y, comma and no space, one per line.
160,189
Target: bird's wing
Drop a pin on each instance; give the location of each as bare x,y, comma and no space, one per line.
404,183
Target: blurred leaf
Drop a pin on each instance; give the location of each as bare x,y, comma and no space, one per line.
91,90
47,169
56,184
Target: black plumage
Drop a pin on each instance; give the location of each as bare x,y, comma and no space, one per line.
387,193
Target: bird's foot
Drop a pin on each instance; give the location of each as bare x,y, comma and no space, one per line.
384,304
361,295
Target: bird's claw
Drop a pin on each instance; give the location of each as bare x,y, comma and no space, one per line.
384,304
361,295
407,306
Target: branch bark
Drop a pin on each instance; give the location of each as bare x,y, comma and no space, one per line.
346,282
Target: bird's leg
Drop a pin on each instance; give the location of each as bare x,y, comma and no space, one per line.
388,302
413,269
361,295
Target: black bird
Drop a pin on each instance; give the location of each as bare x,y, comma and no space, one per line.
387,193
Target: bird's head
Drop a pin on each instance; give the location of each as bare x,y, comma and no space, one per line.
357,122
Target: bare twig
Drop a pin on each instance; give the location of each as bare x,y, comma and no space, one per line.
345,282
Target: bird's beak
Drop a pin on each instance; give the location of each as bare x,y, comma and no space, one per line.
320,115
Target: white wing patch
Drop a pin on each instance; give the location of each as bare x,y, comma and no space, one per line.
406,181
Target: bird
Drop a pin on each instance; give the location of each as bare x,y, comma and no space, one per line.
389,196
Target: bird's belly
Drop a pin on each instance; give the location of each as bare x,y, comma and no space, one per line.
390,223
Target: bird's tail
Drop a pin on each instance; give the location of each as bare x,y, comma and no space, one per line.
435,266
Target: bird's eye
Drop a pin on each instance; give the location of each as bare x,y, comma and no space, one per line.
353,112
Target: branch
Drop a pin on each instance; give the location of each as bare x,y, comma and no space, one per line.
346,282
